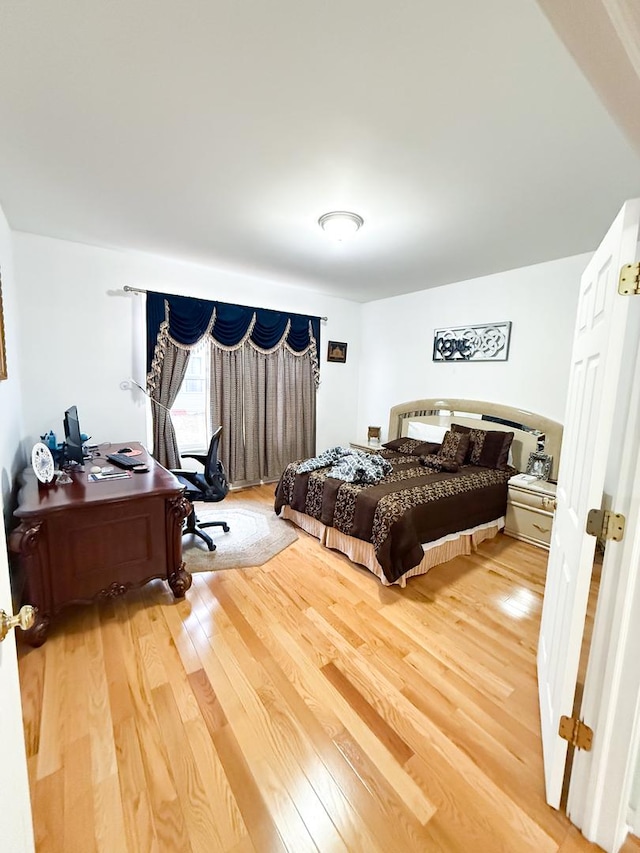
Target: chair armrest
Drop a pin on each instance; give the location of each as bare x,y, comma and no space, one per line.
197,456
189,476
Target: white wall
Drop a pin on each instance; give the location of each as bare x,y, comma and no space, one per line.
397,342
83,335
12,452
89,337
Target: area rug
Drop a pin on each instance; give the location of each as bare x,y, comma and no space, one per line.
256,535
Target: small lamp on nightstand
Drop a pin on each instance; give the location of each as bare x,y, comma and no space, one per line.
373,434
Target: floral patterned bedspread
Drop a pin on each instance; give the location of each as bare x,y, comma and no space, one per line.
409,506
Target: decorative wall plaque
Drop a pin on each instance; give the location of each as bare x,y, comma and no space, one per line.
489,342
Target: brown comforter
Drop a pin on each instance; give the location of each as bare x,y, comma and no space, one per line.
406,508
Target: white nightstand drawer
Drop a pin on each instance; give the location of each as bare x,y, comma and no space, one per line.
532,498
529,523
530,508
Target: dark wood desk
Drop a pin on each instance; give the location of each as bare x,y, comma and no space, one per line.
87,541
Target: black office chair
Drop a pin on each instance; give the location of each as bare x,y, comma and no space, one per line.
211,485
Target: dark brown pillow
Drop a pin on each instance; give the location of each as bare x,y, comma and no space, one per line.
471,433
412,446
438,463
454,447
489,448
426,448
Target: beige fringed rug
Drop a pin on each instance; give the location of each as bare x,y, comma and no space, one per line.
256,535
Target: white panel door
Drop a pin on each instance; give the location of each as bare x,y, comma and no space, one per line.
593,386
601,780
16,833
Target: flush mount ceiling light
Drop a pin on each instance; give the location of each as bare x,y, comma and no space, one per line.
340,224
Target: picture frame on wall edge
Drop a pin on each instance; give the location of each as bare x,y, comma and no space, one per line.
3,351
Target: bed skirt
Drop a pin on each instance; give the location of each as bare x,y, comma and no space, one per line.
454,545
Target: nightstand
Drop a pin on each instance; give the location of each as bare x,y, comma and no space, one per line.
530,508
367,446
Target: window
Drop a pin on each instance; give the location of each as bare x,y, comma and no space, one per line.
189,413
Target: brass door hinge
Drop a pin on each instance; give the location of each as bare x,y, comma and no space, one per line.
576,732
605,524
629,281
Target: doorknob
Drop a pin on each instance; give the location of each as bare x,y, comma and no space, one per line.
25,619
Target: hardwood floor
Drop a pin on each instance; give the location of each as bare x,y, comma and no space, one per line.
298,706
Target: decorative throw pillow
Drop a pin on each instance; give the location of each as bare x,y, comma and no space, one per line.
430,460
454,447
412,446
474,436
489,448
438,463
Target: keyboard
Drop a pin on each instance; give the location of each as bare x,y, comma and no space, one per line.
124,461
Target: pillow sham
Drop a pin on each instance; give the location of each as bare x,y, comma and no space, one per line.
412,446
488,448
426,432
455,446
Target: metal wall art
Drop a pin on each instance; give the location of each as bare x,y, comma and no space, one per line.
489,342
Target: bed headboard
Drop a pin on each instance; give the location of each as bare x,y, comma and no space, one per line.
526,426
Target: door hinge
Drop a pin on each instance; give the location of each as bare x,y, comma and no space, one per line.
576,732
605,524
629,281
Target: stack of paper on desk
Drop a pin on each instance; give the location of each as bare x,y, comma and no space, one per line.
112,475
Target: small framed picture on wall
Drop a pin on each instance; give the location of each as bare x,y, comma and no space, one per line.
337,351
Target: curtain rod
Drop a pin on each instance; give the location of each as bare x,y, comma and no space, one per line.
128,289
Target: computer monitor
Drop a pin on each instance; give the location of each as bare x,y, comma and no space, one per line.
72,437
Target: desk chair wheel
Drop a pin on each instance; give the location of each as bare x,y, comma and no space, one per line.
191,525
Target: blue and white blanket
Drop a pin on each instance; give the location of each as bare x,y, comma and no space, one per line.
352,466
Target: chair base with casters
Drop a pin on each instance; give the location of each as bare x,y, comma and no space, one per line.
211,486
192,525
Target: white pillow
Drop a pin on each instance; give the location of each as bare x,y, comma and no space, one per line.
426,432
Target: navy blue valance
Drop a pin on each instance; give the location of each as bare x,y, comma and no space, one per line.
189,319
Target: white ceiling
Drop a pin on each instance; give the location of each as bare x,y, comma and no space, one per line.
218,131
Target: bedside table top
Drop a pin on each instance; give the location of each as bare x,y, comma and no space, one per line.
363,444
544,486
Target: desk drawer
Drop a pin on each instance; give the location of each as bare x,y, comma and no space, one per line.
531,525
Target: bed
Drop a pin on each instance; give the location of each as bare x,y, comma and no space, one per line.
429,507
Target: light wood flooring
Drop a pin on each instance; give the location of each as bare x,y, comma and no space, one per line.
298,706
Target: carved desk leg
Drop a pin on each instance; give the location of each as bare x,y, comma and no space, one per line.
25,541
179,581
178,578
